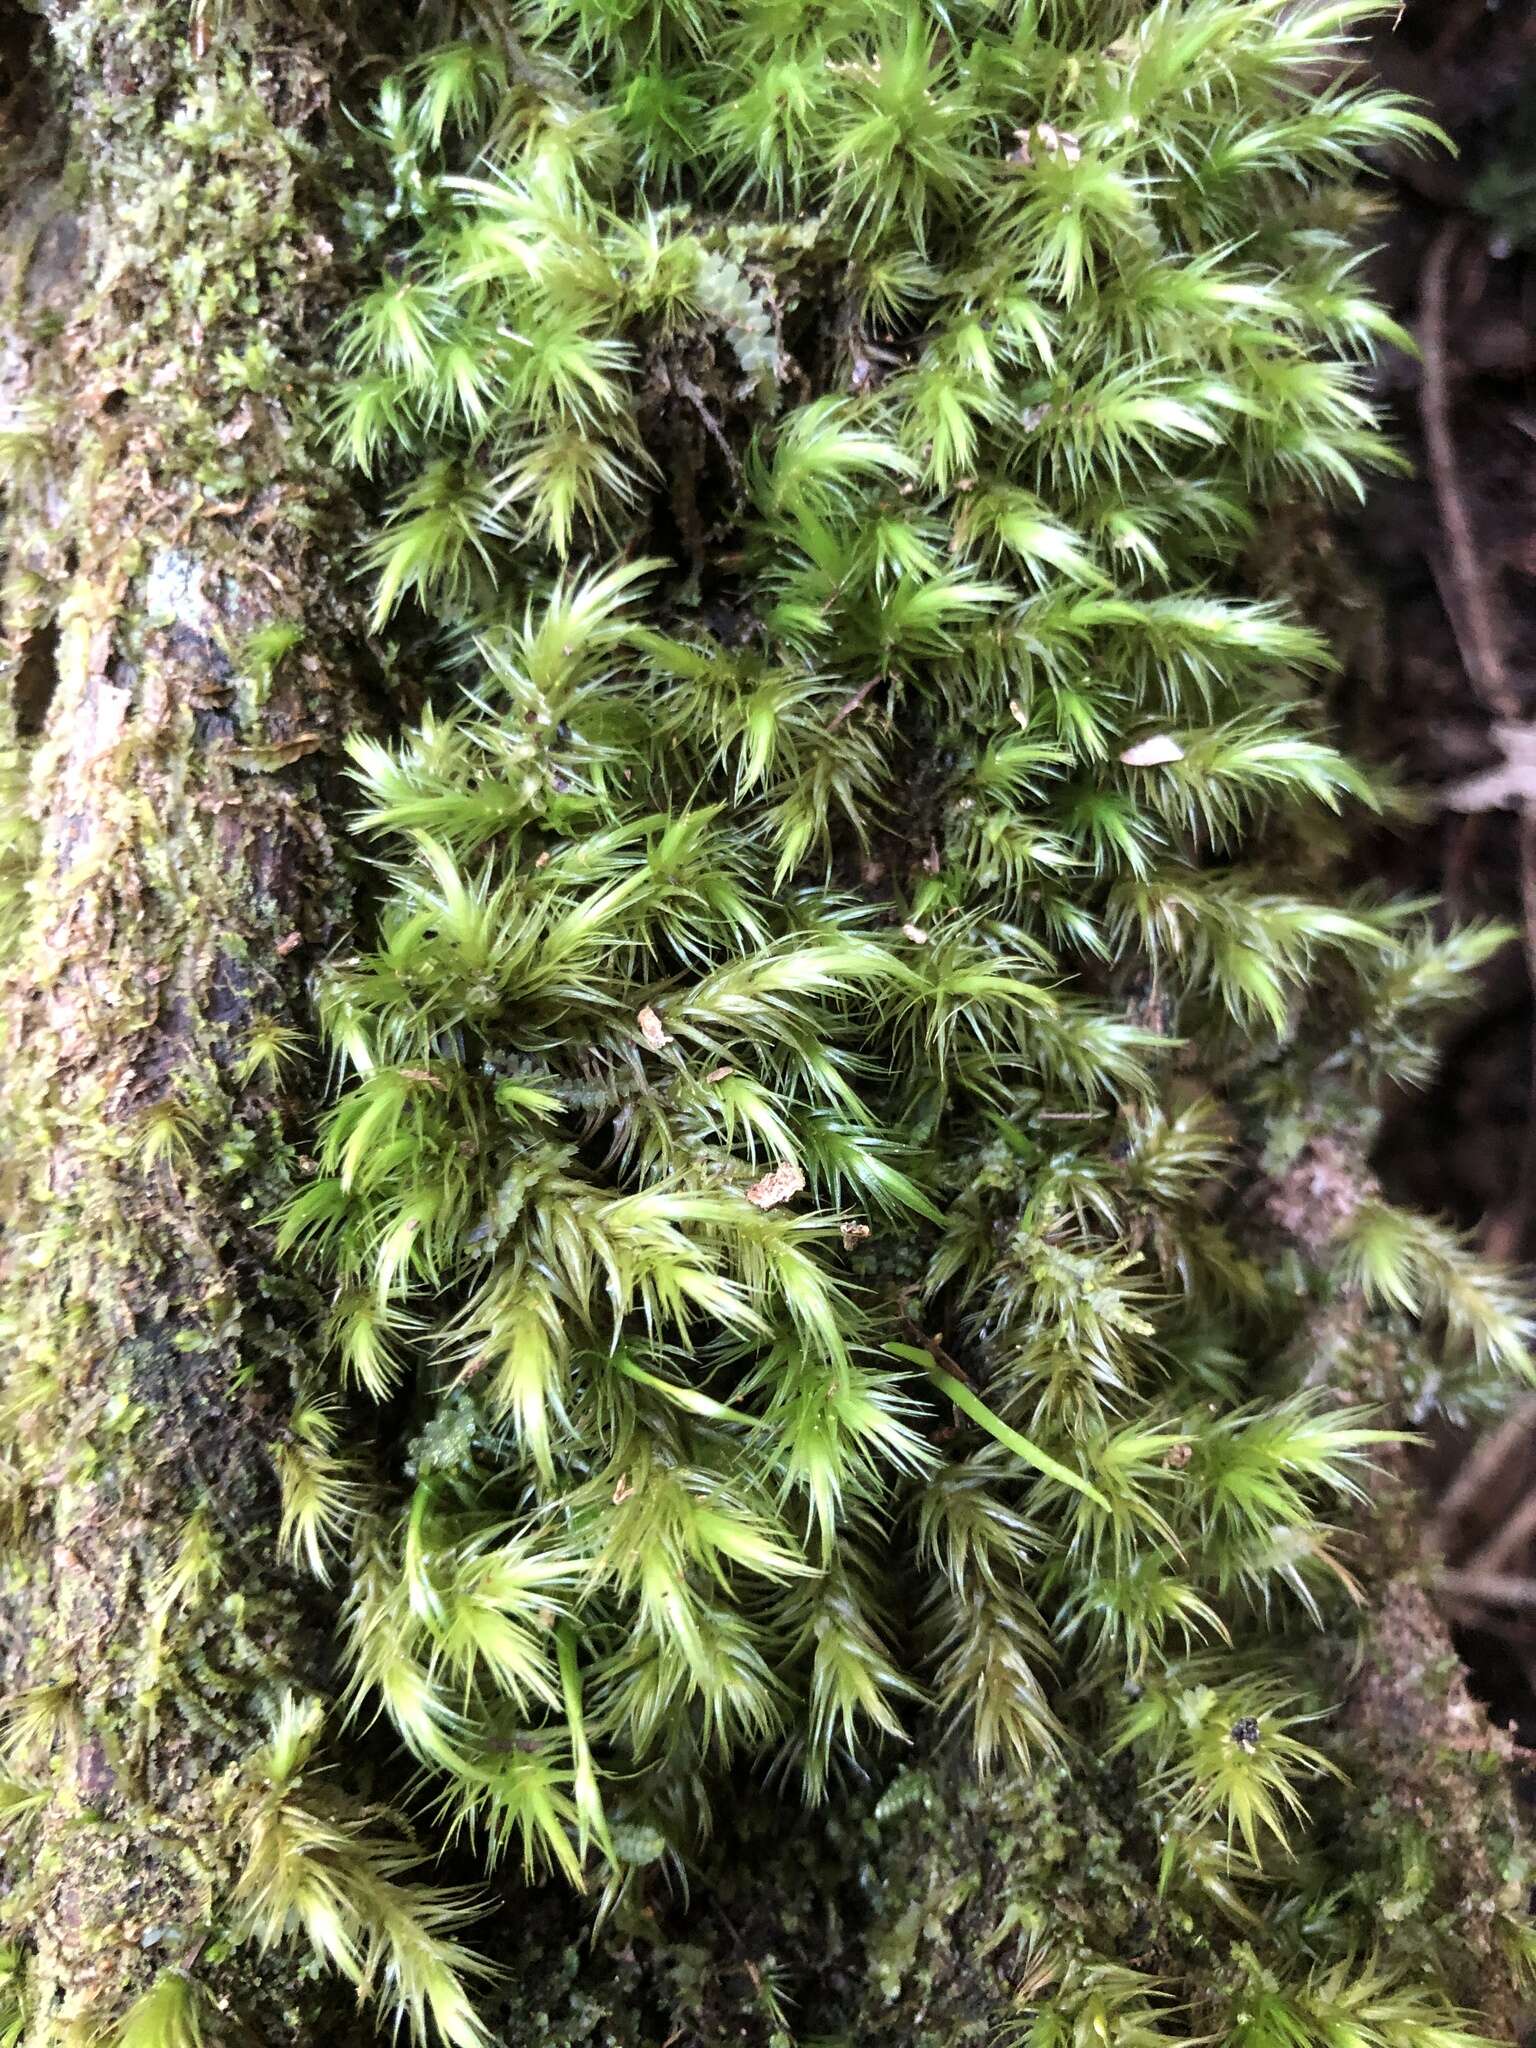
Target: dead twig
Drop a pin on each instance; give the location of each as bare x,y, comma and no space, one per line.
1472,607
1489,1589
1494,1554
1471,603
858,697
1481,1467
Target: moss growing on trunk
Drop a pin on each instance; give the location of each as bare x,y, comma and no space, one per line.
858,1339
856,1110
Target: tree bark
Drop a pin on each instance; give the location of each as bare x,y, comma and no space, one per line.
170,271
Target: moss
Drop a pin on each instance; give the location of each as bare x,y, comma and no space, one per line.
894,802
871,760
1435,1844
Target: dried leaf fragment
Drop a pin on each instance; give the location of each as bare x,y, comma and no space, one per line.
1045,141
282,755
652,1030
785,1181
1155,752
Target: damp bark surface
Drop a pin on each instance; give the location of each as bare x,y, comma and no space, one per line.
169,271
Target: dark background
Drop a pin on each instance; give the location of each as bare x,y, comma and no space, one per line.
1434,596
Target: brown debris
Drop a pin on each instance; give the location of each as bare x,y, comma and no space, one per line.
656,1036
1043,141
1313,1201
784,1182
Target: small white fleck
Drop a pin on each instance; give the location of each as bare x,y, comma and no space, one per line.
1155,752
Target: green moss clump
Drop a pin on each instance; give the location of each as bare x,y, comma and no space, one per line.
850,1146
